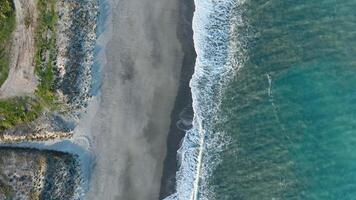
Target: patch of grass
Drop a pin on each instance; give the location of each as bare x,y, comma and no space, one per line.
28,19
18,110
7,24
46,52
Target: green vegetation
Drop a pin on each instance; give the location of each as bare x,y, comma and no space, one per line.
17,111
46,52
20,110
28,19
7,24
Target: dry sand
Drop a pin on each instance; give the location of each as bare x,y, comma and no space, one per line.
140,82
21,79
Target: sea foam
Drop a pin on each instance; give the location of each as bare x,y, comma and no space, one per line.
218,50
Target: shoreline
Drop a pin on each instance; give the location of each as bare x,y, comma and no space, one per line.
182,114
140,79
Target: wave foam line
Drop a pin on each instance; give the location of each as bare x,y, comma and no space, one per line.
214,23
194,195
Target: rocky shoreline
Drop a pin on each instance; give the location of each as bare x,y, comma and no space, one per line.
39,174
76,35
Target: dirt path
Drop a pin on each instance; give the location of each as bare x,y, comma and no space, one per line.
21,79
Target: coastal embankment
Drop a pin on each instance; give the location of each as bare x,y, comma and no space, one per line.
140,82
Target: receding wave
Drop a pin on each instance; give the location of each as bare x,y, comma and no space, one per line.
219,56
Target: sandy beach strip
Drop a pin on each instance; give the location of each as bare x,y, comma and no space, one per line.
139,86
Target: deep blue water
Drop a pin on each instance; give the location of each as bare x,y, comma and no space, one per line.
275,99
290,110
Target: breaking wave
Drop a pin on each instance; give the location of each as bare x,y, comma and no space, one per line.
220,54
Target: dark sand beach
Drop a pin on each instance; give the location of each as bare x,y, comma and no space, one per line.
182,113
139,86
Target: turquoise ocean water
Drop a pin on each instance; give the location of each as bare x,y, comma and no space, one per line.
275,102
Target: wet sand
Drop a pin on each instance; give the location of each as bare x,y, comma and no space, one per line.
182,114
139,85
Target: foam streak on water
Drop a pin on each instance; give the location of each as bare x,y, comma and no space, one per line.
213,26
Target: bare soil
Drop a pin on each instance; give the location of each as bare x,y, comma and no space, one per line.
22,80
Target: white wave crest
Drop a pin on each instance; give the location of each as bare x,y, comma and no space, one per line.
215,41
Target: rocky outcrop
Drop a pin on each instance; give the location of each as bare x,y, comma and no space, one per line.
35,174
76,35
